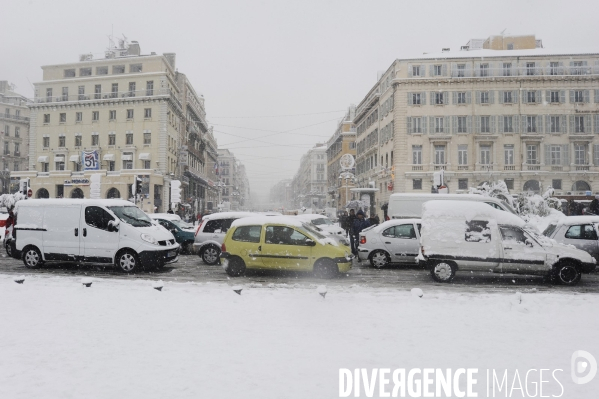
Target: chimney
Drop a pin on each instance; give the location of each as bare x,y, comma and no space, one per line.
133,48
171,57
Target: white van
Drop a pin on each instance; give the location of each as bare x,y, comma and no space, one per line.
409,206
459,236
100,231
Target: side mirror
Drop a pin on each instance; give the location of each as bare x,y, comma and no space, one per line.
112,228
310,243
528,243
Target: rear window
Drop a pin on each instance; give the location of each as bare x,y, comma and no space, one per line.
477,231
247,234
218,224
549,230
582,232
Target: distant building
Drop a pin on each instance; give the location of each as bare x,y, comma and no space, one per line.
342,142
232,182
309,183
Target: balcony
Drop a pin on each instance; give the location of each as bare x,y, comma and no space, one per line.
582,168
533,167
103,96
509,167
463,167
557,168
14,117
523,71
417,167
440,167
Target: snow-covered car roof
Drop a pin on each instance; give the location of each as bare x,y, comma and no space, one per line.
72,201
261,219
572,220
448,209
228,215
394,222
165,216
311,216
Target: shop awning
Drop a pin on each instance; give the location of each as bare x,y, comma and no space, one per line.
74,158
108,157
145,156
43,159
127,157
58,158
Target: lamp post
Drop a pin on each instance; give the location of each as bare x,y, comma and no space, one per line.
347,176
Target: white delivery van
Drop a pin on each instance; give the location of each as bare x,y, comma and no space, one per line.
409,206
458,236
100,231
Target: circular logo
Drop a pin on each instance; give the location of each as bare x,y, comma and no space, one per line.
347,161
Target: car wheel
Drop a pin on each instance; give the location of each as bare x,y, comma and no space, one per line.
127,261
566,273
32,257
326,268
8,248
210,255
235,266
442,271
379,258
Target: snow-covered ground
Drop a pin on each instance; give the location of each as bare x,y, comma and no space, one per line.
125,339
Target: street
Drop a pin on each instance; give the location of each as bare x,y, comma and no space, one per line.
190,268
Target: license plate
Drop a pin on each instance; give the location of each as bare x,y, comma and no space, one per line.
170,254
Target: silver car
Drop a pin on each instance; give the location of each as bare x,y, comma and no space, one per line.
394,241
579,231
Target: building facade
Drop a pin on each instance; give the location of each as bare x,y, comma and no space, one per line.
310,183
340,181
280,197
233,184
14,127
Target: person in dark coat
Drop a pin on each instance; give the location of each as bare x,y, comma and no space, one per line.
360,223
594,206
348,227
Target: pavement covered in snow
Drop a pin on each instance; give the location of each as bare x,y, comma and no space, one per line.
126,339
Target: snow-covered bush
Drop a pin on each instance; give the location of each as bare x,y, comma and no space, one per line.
9,200
496,189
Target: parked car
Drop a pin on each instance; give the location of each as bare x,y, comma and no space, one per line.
406,206
282,243
84,230
472,236
579,231
394,241
211,232
183,232
323,223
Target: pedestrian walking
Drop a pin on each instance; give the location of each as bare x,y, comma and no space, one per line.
594,207
360,223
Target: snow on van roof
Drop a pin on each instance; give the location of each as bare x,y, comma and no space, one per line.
165,216
72,201
572,220
475,197
261,219
448,209
228,215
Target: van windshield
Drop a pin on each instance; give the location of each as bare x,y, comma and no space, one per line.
132,215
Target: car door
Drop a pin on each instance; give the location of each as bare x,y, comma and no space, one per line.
62,237
98,243
248,244
583,236
285,248
521,253
401,242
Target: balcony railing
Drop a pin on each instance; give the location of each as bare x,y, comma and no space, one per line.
104,96
582,167
557,168
521,71
533,167
463,167
440,166
15,117
417,167
509,167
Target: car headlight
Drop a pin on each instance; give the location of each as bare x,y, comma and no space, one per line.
149,238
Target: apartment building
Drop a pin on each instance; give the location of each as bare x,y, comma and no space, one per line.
232,182
119,116
340,180
309,184
280,197
522,113
14,129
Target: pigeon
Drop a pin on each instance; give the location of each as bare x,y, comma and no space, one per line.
237,289
86,281
20,279
322,290
158,285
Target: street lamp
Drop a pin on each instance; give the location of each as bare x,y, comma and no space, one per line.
348,176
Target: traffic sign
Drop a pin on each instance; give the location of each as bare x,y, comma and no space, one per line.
29,193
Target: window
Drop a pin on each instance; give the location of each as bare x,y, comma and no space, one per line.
509,183
112,115
531,96
17,131
111,166
131,89
484,69
508,126
95,116
247,234
78,117
46,118
513,235
405,231
485,154
63,117
78,141
580,151
98,92
81,93
46,142
129,138
283,235
62,141
97,217
554,69
417,154
127,160
462,124
579,124
439,99
555,154
507,97
531,124
462,184
102,70
16,166
135,68
416,184
485,124
417,125
477,231
461,96
129,114
60,164
49,95
118,69
147,138
150,88
578,96
416,70
439,155
45,167
463,154
439,124
17,151
111,139
554,124
532,154
556,184
7,130
510,46
582,232
461,70
484,97
507,68
114,90
577,68
65,94
530,68
85,72
416,98
69,73
437,70
554,96
95,139
147,113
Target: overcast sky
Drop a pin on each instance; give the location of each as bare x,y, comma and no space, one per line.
257,60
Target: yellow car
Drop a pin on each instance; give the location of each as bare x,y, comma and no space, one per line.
282,243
